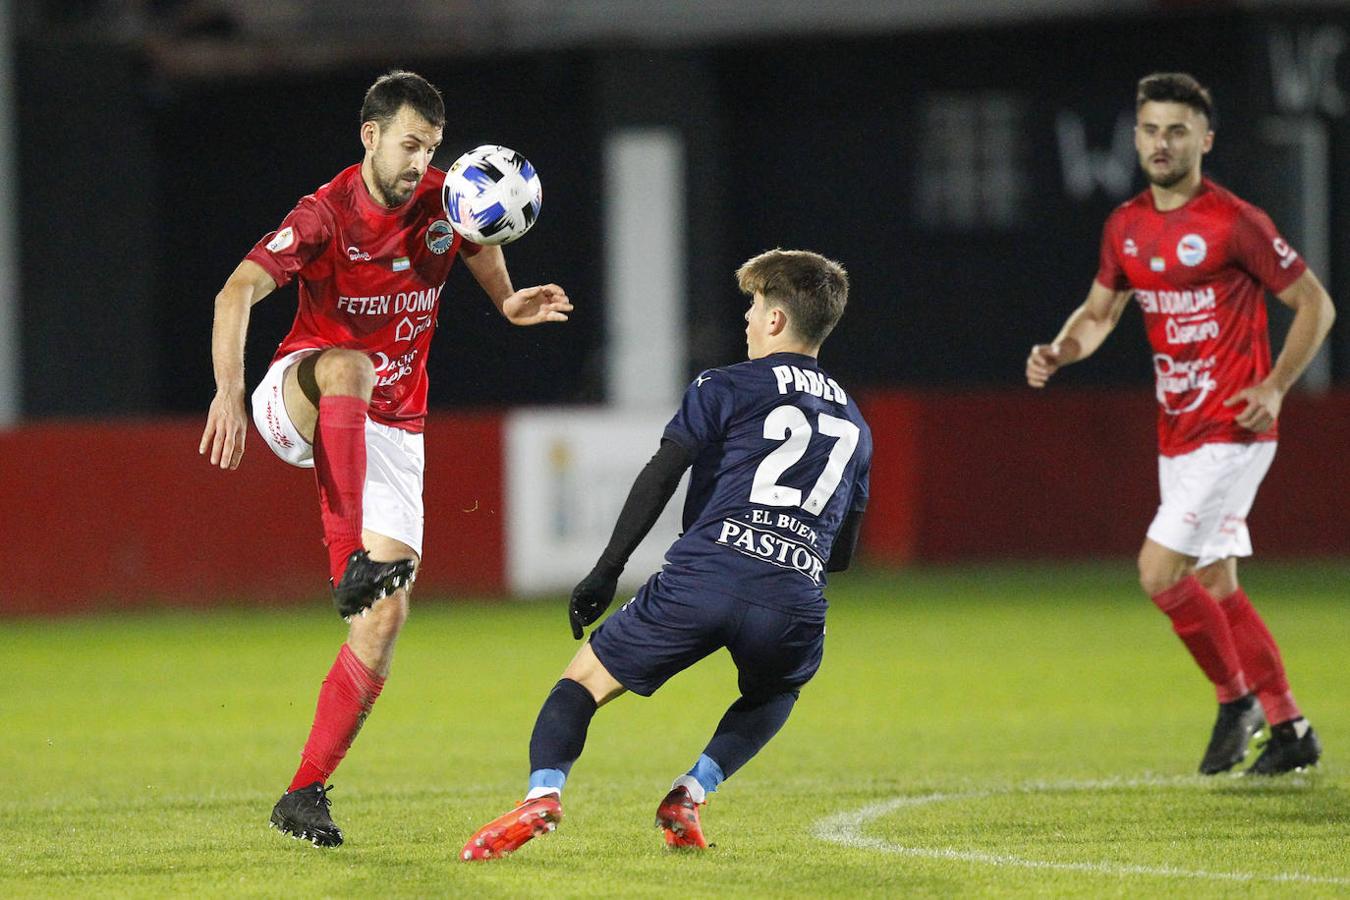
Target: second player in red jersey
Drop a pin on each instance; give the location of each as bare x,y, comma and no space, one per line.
1198,261
1199,274
346,393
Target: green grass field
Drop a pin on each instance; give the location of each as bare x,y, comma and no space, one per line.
979,731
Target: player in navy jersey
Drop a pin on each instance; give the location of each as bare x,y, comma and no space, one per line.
346,393
1198,261
780,458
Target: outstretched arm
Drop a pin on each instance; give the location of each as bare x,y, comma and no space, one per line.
1313,315
528,306
1083,332
226,422
652,490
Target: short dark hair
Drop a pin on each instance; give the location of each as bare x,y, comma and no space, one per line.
812,289
396,89
1175,87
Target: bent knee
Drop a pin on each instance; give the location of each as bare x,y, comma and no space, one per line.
1156,576
345,372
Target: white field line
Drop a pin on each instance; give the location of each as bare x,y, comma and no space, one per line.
846,829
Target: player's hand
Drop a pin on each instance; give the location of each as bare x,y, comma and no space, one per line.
1044,361
1263,406
590,598
226,428
533,305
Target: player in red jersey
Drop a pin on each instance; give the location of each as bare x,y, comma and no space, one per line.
346,393
1198,261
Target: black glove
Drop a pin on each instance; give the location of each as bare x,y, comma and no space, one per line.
591,597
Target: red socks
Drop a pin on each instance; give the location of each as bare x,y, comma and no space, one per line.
340,466
1260,658
1203,628
345,699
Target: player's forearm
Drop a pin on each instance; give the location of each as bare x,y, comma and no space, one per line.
652,490
1312,321
1081,335
488,267
228,334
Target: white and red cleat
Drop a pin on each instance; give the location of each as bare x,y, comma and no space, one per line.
677,817
506,833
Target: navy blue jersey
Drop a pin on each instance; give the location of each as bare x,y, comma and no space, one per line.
781,455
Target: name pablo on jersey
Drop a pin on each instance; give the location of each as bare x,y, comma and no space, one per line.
809,382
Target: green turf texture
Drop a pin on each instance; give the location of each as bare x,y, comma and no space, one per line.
1025,731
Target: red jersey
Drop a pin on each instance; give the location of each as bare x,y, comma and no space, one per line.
1199,273
370,280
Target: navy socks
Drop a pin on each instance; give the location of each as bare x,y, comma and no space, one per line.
559,733
747,726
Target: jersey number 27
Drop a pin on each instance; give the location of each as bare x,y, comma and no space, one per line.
789,424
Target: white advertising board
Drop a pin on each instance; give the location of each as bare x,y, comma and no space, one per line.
567,475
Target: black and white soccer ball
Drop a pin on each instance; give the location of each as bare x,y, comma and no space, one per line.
492,195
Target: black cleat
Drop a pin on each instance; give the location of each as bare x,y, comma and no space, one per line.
1285,751
303,814
1233,731
364,581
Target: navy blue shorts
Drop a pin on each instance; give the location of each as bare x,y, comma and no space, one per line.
657,634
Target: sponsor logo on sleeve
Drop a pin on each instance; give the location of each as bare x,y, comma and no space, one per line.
282,239
1191,250
1286,253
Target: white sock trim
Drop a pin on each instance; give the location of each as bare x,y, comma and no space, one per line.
536,793
690,783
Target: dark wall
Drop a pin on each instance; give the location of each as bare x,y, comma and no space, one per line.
962,177
88,250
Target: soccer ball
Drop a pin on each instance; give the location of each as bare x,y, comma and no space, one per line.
492,195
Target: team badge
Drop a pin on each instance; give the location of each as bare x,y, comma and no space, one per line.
1157,264
283,239
439,236
1131,249
1191,250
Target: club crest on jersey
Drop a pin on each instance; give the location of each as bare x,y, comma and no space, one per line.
1191,250
1130,248
439,236
283,239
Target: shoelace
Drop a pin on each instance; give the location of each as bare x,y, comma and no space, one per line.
323,797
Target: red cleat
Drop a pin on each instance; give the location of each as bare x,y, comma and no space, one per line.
504,834
677,817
